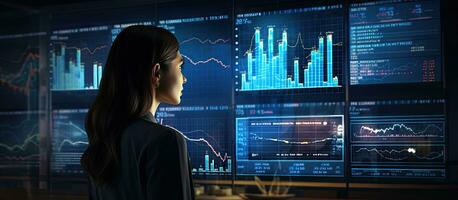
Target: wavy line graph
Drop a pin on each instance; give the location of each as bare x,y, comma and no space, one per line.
256,137
206,143
298,41
73,141
77,62
28,52
19,143
69,140
86,49
25,78
393,154
398,129
19,69
32,157
398,153
26,127
206,47
32,139
217,153
213,42
366,131
215,60
291,138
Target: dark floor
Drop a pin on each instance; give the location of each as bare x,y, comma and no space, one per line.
320,194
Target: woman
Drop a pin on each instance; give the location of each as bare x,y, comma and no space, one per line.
130,155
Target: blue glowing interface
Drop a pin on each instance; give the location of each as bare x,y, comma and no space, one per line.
19,63
265,94
397,138
289,49
68,140
19,143
290,139
395,42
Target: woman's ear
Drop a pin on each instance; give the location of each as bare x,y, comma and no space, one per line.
156,74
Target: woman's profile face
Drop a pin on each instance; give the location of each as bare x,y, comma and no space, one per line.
171,85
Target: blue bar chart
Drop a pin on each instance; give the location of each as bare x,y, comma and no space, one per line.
271,70
289,49
71,75
77,57
206,131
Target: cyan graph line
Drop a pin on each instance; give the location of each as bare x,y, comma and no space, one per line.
411,152
393,127
217,153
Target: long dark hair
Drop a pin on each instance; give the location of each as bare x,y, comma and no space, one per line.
125,94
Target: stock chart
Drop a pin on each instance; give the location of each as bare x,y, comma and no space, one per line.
204,114
208,137
205,44
19,146
69,140
269,91
77,57
309,142
398,138
289,49
19,65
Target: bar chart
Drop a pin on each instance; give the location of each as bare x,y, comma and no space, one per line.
289,49
271,70
71,74
77,57
206,131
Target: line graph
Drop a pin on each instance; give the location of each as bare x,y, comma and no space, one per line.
208,141
69,140
271,69
204,41
398,138
19,64
256,137
289,49
285,142
400,126
69,71
87,49
402,153
77,58
283,138
22,80
398,129
215,60
299,40
205,45
215,152
29,140
19,146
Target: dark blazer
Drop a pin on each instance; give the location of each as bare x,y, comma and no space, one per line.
154,165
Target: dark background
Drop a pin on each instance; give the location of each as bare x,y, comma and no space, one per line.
22,11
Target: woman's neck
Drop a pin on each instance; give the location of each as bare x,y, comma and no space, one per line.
154,106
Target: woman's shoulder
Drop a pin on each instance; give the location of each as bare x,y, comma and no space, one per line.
143,131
